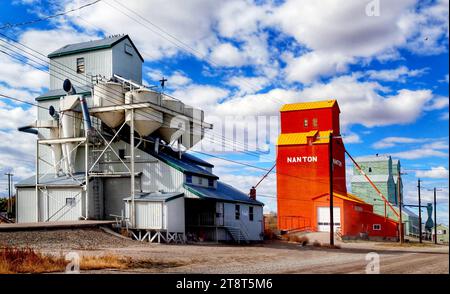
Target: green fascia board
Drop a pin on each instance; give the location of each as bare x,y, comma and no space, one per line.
44,98
179,168
219,200
53,55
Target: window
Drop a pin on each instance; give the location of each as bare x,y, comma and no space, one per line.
370,169
128,49
237,212
200,181
305,123
80,65
377,227
70,201
122,153
189,179
315,122
250,213
210,182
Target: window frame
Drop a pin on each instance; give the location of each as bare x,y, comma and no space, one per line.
237,212
305,123
251,213
315,122
376,227
189,179
81,68
71,201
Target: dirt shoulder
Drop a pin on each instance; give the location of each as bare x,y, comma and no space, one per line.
269,257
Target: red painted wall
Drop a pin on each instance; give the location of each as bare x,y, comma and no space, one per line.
300,183
327,119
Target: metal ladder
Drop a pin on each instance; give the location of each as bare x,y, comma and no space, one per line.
96,197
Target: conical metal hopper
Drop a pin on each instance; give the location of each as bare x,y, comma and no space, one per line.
146,120
109,94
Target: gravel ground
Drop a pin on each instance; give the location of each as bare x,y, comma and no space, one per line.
270,257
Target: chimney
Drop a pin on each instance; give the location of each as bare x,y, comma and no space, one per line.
253,193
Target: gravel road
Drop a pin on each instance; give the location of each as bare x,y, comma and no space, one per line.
270,257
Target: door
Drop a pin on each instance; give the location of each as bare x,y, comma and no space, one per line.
323,218
219,214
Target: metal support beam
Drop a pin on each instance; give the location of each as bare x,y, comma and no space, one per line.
133,208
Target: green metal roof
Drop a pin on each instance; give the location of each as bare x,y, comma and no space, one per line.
56,94
105,43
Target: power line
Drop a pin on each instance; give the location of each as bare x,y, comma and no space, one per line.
78,79
8,26
190,49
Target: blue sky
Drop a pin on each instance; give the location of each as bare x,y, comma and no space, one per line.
389,72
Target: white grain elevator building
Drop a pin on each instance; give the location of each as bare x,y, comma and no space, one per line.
85,163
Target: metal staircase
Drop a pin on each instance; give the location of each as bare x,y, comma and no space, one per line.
238,232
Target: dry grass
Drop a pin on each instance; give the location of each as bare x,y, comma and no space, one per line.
269,234
298,239
325,245
26,260
103,262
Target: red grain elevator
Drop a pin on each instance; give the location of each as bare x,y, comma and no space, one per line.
303,177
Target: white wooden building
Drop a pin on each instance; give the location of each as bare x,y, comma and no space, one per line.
176,192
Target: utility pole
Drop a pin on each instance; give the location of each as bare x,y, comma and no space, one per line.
9,205
399,200
420,212
435,219
330,146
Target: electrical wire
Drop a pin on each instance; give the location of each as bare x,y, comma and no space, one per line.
8,26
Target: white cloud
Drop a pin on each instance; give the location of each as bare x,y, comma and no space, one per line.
395,141
202,96
227,54
427,150
174,80
47,41
360,102
439,102
445,79
340,33
248,85
309,66
439,172
399,74
351,138
19,75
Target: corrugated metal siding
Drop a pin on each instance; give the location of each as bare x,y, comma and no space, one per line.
26,205
96,63
174,216
149,215
115,190
254,228
125,65
57,208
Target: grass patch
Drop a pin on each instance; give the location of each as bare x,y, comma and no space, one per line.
325,245
27,260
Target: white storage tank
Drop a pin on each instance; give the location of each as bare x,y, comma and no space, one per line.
146,120
109,94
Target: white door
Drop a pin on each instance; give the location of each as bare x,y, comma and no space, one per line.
323,218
